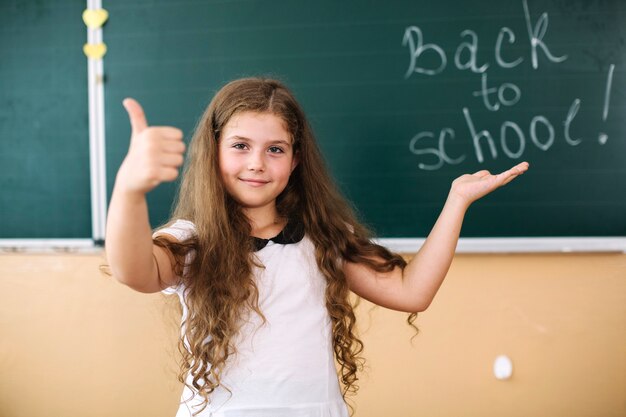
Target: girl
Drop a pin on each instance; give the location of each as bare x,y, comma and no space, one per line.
263,253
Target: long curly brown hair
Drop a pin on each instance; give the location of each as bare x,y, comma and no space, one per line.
220,286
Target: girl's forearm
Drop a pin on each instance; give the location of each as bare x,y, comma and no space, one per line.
426,271
129,239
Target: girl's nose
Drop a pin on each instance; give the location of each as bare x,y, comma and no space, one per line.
256,162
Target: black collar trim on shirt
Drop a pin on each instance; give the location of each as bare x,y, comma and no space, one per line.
293,232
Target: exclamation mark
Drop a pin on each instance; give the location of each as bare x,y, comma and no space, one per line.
602,138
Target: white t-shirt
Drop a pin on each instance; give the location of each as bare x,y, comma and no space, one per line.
285,367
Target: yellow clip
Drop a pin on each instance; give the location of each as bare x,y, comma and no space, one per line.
95,18
95,51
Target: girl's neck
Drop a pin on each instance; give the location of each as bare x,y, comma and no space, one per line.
265,222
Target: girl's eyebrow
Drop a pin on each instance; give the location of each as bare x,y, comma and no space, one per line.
273,142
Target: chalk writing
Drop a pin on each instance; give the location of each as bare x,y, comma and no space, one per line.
536,35
472,49
499,60
429,59
500,91
602,138
573,110
413,37
439,153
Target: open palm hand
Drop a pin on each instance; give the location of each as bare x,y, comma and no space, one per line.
470,187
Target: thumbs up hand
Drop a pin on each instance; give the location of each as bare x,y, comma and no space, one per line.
154,156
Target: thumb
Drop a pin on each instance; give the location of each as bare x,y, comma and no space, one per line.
136,115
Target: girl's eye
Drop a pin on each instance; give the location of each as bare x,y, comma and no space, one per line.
239,146
275,149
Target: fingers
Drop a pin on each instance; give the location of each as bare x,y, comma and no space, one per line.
510,174
481,174
174,146
168,142
136,115
164,145
509,179
171,133
169,174
507,175
172,160
519,168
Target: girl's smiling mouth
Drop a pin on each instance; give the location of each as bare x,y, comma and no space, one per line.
254,182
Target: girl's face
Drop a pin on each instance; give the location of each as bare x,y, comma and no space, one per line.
255,158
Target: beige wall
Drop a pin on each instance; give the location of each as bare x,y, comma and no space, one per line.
75,343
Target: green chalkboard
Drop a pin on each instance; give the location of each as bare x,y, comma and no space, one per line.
404,96
44,135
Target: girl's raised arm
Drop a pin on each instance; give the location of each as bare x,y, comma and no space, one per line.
154,156
413,288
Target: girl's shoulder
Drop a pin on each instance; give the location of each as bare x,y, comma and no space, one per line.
180,229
